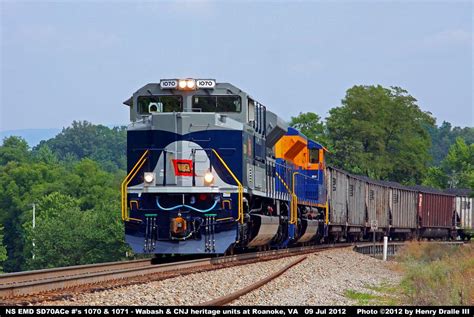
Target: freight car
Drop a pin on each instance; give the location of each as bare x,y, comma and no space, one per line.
436,213
464,212
400,212
355,202
211,169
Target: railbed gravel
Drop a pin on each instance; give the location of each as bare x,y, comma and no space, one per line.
190,289
321,279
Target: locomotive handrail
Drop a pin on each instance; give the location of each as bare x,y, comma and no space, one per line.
326,204
240,195
294,205
294,199
127,180
294,211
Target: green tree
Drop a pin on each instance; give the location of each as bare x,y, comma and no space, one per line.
436,178
21,184
65,235
381,133
91,185
444,136
14,149
459,164
86,140
456,169
3,250
58,167
45,155
310,124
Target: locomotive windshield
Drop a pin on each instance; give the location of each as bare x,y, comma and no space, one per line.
216,104
159,104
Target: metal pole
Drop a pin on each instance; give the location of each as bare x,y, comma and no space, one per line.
373,248
34,225
385,246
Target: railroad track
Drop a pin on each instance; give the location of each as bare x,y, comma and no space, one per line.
41,285
53,281
227,299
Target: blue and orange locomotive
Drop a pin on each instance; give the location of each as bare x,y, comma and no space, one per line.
211,169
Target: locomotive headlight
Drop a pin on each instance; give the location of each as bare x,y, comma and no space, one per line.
208,178
186,84
182,84
190,83
149,178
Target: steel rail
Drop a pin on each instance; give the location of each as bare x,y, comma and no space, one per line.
229,298
34,282
59,282
27,276
226,299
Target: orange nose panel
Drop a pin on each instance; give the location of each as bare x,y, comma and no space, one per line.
294,149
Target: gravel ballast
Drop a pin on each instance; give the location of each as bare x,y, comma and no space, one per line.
321,279
189,289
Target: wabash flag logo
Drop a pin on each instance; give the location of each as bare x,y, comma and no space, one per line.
183,167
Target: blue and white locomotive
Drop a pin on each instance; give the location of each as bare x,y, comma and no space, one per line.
211,169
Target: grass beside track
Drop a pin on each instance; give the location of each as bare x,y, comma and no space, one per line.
433,274
384,294
437,274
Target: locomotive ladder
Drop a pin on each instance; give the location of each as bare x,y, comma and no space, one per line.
126,181
293,202
240,195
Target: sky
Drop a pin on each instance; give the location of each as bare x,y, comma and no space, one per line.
79,60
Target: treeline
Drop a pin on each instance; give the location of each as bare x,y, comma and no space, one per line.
73,180
382,133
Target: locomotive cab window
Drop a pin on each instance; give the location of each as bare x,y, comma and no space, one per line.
157,104
314,156
216,104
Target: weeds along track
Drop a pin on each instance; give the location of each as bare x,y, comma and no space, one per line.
231,297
